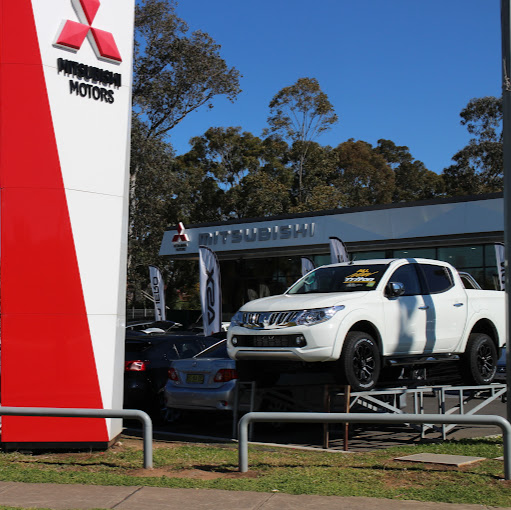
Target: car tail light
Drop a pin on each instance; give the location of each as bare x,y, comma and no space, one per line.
225,375
172,373
136,366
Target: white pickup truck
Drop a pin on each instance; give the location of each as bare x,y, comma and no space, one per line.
356,318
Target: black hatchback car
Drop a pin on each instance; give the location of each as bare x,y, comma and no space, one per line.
147,360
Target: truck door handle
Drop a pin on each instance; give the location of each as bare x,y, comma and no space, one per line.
423,307
458,304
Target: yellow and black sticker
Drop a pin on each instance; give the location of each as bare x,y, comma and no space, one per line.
361,276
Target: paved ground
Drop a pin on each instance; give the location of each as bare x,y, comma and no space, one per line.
56,496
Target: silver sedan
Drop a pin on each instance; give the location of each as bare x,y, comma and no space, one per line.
206,382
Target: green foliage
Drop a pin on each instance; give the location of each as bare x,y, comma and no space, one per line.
151,184
413,181
300,113
248,174
175,73
362,174
478,167
226,153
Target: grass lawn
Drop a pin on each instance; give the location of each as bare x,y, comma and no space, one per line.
293,471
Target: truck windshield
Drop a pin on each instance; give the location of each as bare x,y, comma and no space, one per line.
340,279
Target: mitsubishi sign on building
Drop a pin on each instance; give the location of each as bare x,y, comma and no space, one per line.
65,107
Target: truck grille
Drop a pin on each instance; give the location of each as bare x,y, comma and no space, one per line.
263,320
270,341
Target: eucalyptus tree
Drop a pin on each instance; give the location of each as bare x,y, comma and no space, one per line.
362,174
413,181
227,153
248,172
300,113
155,182
175,73
478,167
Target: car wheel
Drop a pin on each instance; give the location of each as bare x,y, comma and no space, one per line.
360,361
479,363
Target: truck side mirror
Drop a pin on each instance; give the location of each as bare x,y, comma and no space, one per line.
395,289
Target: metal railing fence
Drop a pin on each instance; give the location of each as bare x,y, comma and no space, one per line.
492,420
130,414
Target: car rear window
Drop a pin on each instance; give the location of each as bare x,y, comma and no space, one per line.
134,348
215,351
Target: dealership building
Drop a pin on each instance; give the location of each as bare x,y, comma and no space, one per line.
262,256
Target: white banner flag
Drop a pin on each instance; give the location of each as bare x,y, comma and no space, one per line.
307,265
338,251
501,261
158,293
210,291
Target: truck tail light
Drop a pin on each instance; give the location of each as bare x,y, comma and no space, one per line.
172,373
225,375
135,366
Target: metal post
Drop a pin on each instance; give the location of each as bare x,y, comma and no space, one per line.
235,407
347,402
327,408
505,13
253,389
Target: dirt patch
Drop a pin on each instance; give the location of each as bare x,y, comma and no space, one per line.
196,474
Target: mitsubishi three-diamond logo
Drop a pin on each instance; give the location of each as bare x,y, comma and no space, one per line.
181,235
73,33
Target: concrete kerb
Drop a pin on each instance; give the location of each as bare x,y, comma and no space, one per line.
133,414
441,419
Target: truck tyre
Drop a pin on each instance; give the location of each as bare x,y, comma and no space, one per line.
479,363
360,361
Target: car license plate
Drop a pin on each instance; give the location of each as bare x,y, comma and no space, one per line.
195,378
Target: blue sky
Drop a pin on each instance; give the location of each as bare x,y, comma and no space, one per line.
395,69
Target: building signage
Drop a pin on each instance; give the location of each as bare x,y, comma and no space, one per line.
73,34
88,81
312,234
63,96
259,234
84,74
182,241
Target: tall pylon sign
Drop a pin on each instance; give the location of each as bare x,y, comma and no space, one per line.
65,109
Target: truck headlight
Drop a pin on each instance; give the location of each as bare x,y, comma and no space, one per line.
310,317
236,319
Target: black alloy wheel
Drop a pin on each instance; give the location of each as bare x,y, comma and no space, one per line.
479,363
360,361
486,361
